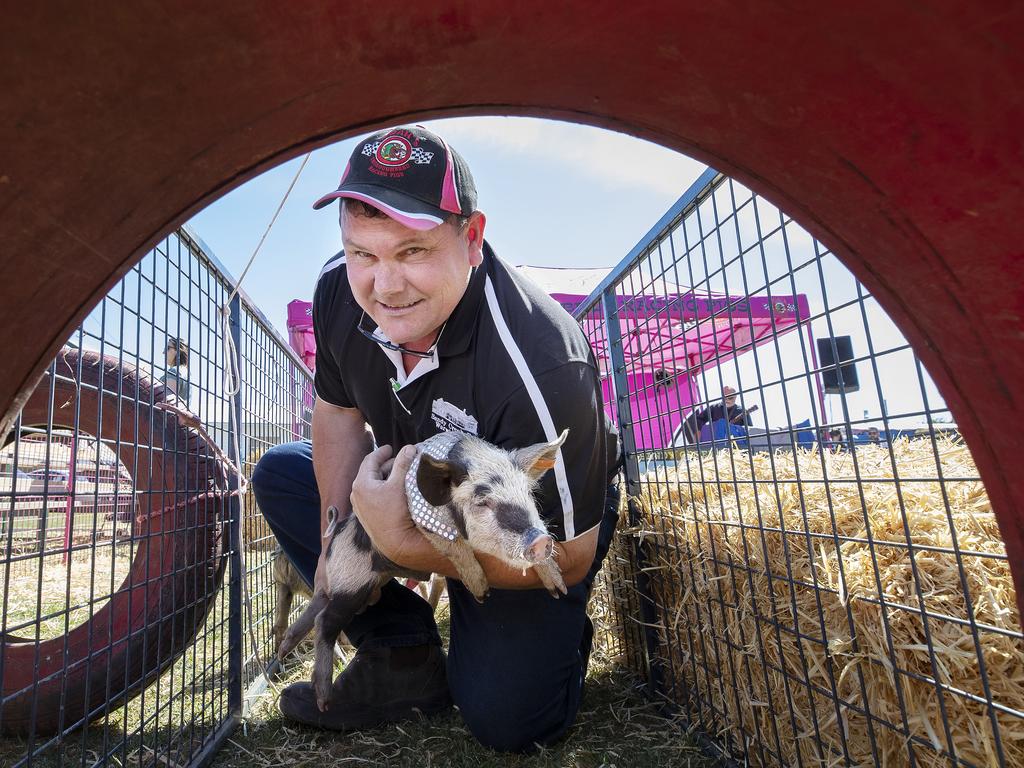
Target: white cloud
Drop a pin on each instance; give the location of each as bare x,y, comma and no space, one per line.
613,159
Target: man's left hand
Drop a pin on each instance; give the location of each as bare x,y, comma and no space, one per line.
379,500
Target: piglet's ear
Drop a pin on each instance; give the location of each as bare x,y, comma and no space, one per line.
538,459
435,478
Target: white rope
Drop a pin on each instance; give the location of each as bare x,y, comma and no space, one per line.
232,386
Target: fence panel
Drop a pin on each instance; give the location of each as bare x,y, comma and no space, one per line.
832,590
276,406
134,621
808,567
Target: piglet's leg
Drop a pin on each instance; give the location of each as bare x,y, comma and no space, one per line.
550,576
461,556
302,625
281,611
437,586
329,624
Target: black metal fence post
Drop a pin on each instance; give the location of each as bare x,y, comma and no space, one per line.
237,649
648,608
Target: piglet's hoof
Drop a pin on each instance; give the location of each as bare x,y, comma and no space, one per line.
284,650
288,645
323,696
479,588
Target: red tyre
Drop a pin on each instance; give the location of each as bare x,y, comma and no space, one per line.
58,684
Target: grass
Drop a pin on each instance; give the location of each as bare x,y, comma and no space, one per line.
616,726
171,720
68,593
169,723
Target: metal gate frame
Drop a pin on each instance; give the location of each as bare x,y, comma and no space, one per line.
656,258
178,289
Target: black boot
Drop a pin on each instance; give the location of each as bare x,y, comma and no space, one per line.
379,685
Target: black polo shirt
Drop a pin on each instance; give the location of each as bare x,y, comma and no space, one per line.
511,366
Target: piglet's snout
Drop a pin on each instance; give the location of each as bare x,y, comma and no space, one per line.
537,545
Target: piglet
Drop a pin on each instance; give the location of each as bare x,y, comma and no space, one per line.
288,583
465,495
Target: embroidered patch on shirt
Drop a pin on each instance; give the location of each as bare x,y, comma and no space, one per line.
451,418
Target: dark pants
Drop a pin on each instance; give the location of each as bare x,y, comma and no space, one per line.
516,662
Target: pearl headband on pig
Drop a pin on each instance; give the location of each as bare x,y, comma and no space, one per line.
434,519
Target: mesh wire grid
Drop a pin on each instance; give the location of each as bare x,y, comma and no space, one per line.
732,585
276,406
811,571
123,605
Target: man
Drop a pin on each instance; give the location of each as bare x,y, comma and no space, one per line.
873,436
420,328
728,409
176,378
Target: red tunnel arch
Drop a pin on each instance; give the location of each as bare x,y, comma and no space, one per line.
893,132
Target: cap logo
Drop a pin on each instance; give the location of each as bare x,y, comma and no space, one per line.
390,156
393,152
417,155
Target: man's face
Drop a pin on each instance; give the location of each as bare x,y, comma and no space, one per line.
409,281
872,434
729,396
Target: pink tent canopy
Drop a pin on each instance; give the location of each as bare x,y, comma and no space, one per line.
676,329
670,334
686,332
300,331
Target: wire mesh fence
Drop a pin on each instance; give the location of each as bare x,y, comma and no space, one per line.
133,621
59,486
808,567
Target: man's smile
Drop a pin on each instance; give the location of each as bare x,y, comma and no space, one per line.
396,308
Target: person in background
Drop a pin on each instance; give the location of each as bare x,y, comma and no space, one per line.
835,440
728,409
873,436
176,378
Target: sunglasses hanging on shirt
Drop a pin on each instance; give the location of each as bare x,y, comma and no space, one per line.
372,336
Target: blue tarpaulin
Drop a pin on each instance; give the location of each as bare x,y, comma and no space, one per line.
721,431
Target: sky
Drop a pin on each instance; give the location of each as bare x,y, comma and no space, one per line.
558,194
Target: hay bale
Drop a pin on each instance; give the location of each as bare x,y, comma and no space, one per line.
768,580
615,607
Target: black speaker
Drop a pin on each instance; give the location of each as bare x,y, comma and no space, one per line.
835,355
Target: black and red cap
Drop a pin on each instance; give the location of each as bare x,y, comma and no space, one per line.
411,174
